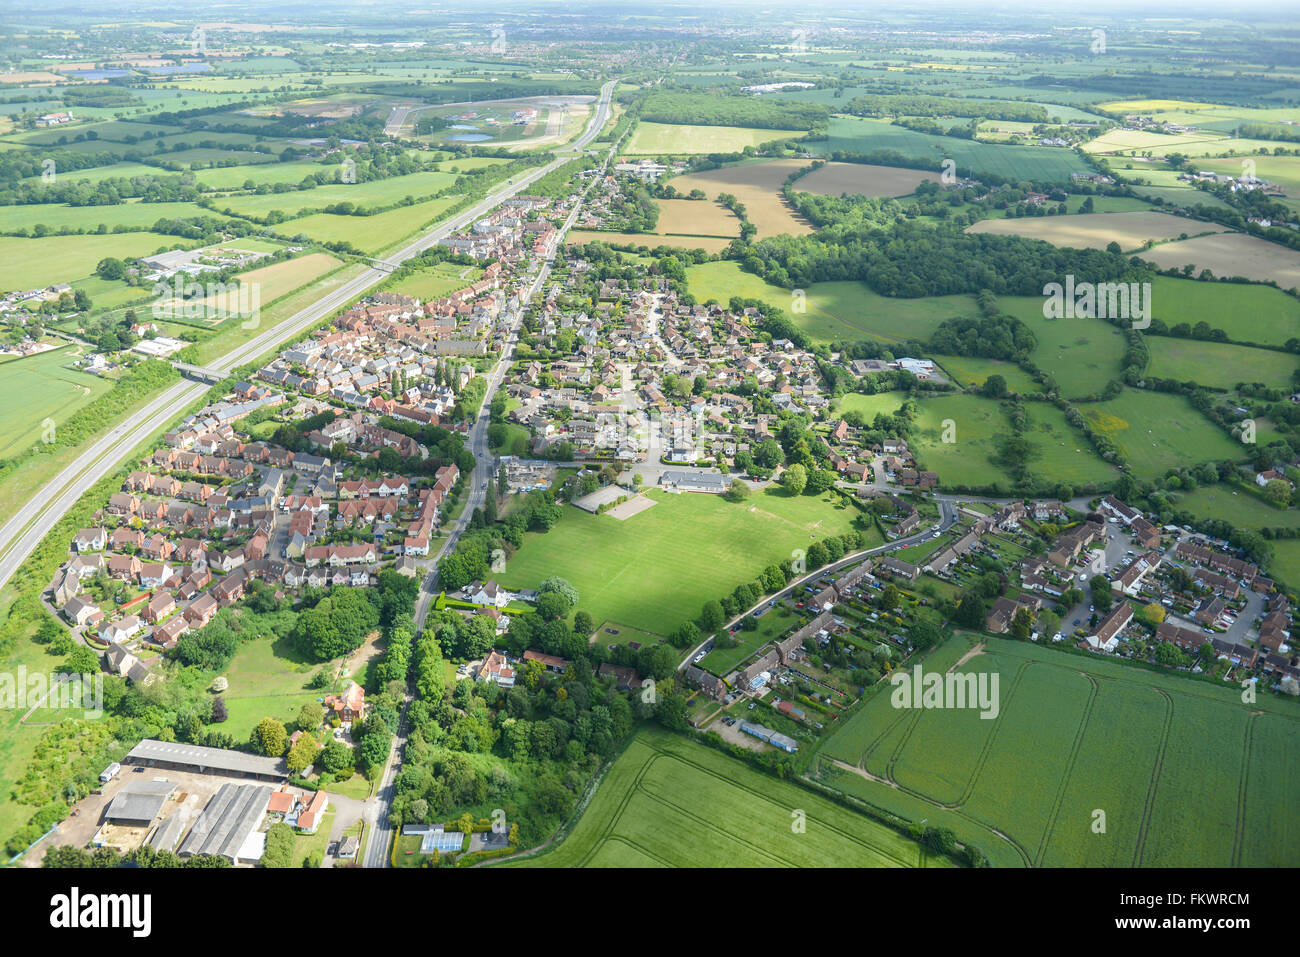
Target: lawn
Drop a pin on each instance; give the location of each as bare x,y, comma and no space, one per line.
434,282
770,626
268,679
657,569
1156,752
1158,431
668,802
650,139
1219,365
38,392
833,311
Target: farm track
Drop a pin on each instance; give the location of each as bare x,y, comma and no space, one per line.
1239,833
1068,772
1144,827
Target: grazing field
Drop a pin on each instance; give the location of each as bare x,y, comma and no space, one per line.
858,179
1231,504
1184,773
710,244
1038,163
758,186
1082,355
833,311
1096,230
370,234
38,388
1219,365
669,802
658,568
969,371
36,263
1247,312
975,424
656,139
1232,254
1158,431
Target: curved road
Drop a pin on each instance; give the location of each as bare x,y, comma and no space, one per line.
33,521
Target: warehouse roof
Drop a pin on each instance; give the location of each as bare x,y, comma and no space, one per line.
139,800
205,759
228,820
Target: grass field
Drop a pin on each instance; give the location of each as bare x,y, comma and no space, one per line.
1232,254
1243,510
37,388
266,284
268,679
858,179
380,192
370,234
1219,365
869,406
1082,355
1040,163
434,282
668,802
974,371
653,139
657,569
1158,431
37,263
1060,454
1246,312
1184,773
131,214
1096,230
833,311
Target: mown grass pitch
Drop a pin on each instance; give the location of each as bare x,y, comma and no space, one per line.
657,569
1183,772
669,802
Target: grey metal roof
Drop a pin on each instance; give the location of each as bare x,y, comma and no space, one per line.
229,818
167,835
139,800
208,759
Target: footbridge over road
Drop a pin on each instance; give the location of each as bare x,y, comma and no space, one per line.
199,373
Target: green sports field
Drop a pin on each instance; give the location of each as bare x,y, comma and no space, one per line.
1184,773
657,569
669,802
37,388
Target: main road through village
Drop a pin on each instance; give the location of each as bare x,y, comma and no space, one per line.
25,529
